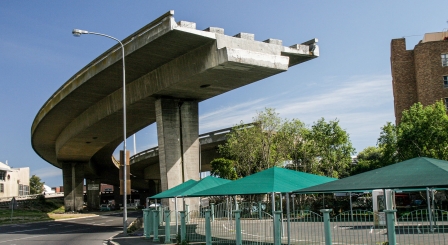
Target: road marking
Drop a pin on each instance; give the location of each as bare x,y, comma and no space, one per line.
25,238
26,230
22,238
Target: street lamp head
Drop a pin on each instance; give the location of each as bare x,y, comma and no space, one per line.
78,32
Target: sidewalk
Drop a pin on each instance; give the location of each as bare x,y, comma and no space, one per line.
135,238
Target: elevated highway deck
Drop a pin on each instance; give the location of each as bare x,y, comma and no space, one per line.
168,64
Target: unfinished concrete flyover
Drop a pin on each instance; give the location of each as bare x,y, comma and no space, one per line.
170,68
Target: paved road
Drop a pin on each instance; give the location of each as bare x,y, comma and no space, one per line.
89,230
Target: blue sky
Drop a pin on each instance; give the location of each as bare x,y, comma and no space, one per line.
350,81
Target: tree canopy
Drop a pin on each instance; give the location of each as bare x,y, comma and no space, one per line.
422,132
223,168
36,185
324,148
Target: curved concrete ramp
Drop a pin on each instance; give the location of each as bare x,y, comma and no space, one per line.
80,125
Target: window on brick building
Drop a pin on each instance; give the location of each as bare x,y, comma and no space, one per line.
444,59
446,104
445,81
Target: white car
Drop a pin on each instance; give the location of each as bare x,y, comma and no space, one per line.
154,205
130,206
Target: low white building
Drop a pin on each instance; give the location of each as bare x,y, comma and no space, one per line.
47,190
14,181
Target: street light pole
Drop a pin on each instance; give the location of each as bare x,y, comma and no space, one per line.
78,33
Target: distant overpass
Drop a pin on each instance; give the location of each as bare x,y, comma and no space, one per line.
145,164
170,67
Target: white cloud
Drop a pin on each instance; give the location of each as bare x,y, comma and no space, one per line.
362,105
47,172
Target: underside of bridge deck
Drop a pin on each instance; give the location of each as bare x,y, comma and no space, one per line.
166,62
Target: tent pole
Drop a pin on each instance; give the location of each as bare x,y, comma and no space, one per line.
433,205
351,205
323,200
281,209
183,203
228,209
274,230
236,204
428,202
288,224
293,207
175,213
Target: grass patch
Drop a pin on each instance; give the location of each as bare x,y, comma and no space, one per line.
40,209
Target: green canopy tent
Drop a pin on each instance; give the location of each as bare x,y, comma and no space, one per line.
272,180
416,173
177,189
190,186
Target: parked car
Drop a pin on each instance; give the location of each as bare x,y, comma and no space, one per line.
154,205
131,206
105,207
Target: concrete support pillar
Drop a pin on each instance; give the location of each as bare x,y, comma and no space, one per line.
73,180
93,194
177,132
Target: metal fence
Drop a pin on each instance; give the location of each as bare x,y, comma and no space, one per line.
422,227
306,228
222,224
359,227
195,226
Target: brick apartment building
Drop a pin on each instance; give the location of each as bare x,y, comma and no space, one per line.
419,75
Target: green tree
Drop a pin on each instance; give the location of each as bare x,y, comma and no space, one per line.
223,168
332,148
422,132
368,159
323,149
387,143
254,148
36,185
296,145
